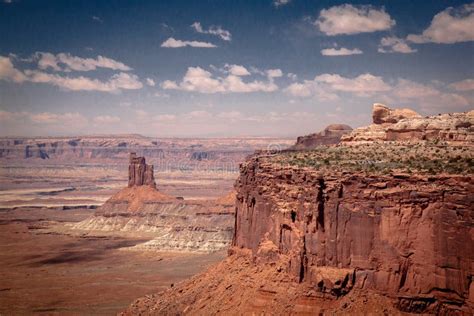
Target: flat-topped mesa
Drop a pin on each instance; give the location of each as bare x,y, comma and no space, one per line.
139,173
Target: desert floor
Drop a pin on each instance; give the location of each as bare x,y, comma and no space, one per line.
45,272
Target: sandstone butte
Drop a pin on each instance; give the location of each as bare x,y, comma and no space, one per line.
171,224
314,240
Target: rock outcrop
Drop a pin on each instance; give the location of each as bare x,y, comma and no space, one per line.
171,224
383,114
409,237
321,231
139,173
331,135
407,126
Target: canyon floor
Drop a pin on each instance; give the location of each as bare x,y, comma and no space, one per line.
45,272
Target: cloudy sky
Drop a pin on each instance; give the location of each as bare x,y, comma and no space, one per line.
227,68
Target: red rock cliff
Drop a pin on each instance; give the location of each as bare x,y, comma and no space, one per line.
409,237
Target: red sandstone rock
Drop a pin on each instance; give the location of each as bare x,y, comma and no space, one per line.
139,173
410,238
383,114
331,135
407,126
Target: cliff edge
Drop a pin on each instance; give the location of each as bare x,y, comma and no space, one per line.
375,226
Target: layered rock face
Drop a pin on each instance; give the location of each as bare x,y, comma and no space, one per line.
171,224
329,136
409,237
139,173
407,125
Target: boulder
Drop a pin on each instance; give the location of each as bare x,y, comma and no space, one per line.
382,114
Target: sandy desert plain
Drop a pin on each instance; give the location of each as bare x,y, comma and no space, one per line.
47,185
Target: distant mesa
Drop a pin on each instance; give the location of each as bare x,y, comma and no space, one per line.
331,135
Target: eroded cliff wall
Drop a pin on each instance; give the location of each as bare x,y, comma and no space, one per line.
408,236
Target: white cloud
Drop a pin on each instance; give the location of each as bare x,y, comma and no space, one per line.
292,76
309,88
48,60
464,85
199,80
407,89
213,30
326,86
394,45
150,82
452,25
429,97
174,43
349,19
238,70
340,51
96,18
274,73
117,82
278,3
363,84
106,119
9,72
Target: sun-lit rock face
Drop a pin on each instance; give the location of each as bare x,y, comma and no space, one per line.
353,228
408,126
383,114
407,236
331,135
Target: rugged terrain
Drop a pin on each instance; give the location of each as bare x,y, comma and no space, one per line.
370,225
175,224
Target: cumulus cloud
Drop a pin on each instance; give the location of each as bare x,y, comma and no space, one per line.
8,71
451,25
213,30
117,82
106,119
363,84
174,43
274,73
326,86
150,82
427,96
278,3
69,62
238,70
394,45
340,51
464,85
349,19
199,80
407,89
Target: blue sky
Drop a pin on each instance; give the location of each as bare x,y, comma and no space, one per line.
227,68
